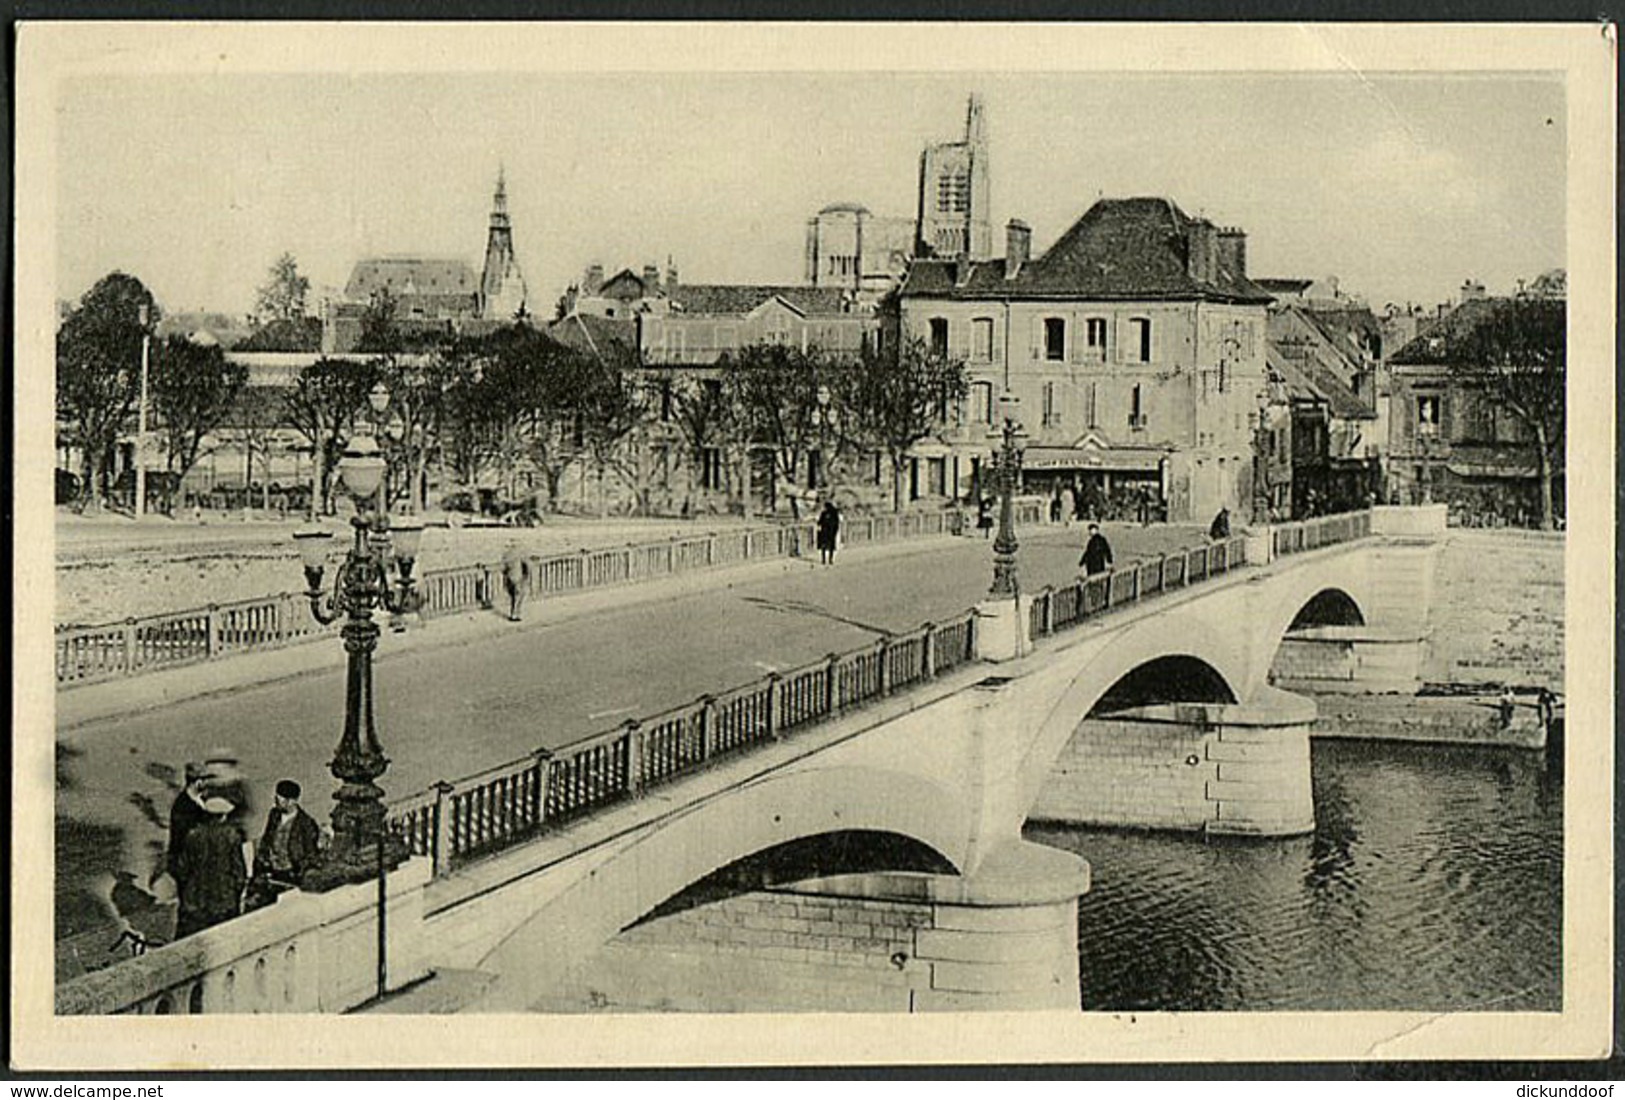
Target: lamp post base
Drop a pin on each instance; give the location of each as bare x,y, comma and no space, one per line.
348,862
1001,627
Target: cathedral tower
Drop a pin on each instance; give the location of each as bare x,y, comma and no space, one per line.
954,217
502,287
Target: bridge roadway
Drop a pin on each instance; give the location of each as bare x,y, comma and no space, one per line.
450,711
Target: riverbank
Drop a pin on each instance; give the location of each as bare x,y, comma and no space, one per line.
1443,720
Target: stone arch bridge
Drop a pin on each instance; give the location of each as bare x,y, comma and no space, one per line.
1161,713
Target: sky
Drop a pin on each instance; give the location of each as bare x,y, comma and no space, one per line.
1403,186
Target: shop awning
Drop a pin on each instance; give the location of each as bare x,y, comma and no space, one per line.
1113,459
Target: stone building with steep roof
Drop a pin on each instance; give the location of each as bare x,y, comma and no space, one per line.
1134,346
1450,440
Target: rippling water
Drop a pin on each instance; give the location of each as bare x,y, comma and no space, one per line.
1433,881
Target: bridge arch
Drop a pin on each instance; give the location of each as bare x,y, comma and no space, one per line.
1173,678
1182,641
636,874
1328,607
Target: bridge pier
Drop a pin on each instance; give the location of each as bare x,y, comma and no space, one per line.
1002,938
1350,659
1219,768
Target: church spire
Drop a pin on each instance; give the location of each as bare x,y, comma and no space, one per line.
502,286
499,201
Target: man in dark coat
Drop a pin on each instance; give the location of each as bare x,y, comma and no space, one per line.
1221,526
829,529
185,813
289,844
213,872
1097,553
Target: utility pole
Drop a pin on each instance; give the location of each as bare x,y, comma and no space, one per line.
141,424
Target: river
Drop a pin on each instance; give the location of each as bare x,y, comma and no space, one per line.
1433,882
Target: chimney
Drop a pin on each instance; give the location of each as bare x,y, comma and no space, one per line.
671,274
651,277
1233,252
1202,248
594,281
1018,246
1471,290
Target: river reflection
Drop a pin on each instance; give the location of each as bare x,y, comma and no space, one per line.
1433,881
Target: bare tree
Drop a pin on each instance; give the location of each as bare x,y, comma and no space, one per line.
1517,356
703,416
194,389
773,391
322,407
898,397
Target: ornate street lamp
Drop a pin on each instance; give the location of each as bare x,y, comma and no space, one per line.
1007,472
362,846
1425,433
823,397
1261,464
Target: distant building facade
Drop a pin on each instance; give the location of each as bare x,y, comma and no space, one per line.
432,295
1449,440
702,323
1135,347
852,249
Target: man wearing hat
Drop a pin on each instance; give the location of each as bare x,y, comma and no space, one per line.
288,846
211,871
185,813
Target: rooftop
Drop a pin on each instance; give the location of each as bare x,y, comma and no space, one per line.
1120,248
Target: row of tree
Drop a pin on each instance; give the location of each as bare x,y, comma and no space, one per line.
484,408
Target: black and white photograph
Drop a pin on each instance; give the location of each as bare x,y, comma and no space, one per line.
716,544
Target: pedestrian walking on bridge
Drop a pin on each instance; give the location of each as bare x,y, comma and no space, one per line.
829,532
1097,553
515,579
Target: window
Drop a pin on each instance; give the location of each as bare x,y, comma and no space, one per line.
1054,338
1139,330
711,467
982,339
665,400
1136,411
981,403
1092,398
1094,334
953,192
1052,415
939,336
1428,409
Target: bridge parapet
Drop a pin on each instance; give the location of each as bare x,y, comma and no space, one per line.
305,953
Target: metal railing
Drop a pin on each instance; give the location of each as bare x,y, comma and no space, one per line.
1310,534
454,822
1055,609
89,654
